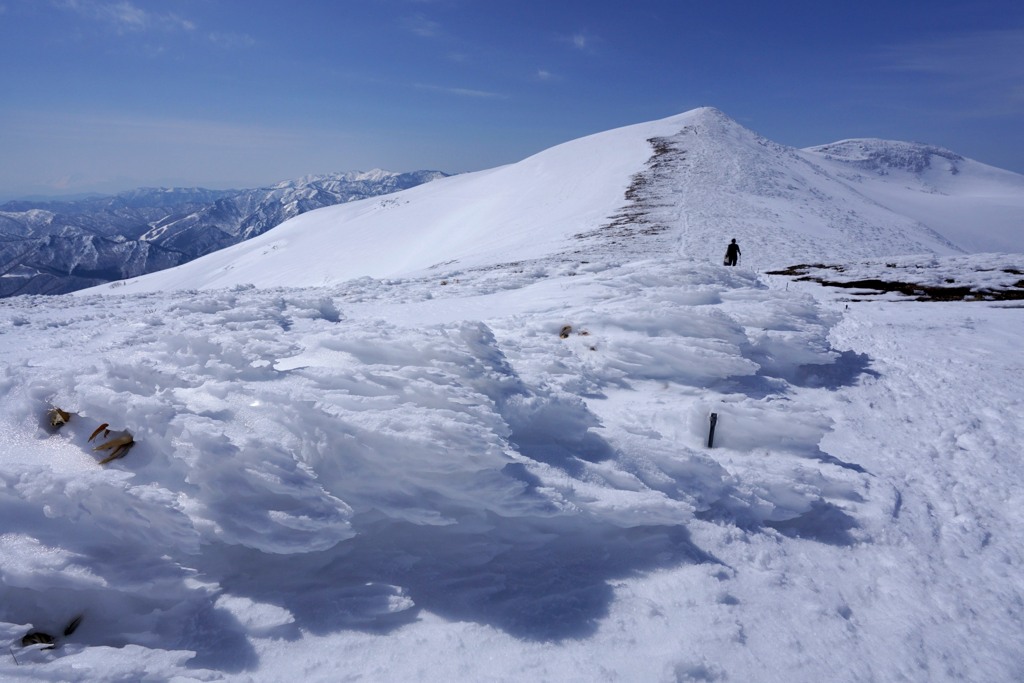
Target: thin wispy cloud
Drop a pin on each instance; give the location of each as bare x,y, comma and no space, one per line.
126,17
422,26
583,40
987,53
231,41
984,66
462,92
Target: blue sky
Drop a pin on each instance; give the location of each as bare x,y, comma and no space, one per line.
106,95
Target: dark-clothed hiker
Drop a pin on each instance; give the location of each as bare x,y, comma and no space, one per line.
732,253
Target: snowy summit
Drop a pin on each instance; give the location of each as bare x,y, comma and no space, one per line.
463,432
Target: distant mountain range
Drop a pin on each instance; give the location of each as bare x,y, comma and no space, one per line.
55,247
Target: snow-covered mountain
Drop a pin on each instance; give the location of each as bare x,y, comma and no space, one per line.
698,178
975,206
464,432
53,247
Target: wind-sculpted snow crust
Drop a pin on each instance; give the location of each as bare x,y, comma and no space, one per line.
303,465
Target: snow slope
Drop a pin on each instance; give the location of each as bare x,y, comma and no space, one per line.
697,179
498,469
973,205
522,211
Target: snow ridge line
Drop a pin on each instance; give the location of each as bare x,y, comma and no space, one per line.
629,228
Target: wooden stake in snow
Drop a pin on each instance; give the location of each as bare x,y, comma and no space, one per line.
711,434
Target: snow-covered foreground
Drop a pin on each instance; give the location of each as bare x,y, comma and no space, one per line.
471,441
505,476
